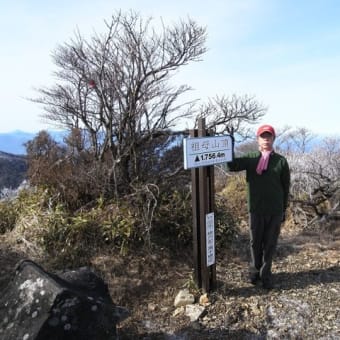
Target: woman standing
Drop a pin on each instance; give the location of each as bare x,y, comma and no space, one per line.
268,180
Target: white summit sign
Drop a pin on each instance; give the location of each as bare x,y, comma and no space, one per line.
205,151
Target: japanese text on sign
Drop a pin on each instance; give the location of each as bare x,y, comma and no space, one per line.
210,238
206,151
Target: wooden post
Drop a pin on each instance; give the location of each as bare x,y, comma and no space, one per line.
203,201
196,222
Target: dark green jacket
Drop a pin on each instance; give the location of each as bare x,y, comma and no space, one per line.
268,192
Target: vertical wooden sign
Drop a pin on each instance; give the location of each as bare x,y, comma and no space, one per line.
203,201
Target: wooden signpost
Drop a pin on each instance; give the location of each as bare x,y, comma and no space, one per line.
201,152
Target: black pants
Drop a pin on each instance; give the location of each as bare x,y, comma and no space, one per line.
264,233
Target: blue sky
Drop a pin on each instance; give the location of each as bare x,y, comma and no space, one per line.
286,53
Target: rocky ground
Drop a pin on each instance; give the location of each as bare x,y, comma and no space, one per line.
305,303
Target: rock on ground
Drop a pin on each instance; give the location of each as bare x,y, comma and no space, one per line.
39,305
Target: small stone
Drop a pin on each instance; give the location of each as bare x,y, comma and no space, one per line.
183,298
177,311
194,312
204,300
152,307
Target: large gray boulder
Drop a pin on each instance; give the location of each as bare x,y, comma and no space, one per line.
37,305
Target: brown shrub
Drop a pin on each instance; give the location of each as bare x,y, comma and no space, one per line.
235,194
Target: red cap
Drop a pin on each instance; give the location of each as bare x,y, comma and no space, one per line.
265,128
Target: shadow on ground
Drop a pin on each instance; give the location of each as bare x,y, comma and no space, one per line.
286,281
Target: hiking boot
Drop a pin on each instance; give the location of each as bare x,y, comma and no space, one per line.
267,284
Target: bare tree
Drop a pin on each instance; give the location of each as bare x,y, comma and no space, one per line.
115,88
299,140
232,114
315,187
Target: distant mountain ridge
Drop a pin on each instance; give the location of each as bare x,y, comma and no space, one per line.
13,170
13,142
10,157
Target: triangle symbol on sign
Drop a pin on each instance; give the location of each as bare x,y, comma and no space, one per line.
197,159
